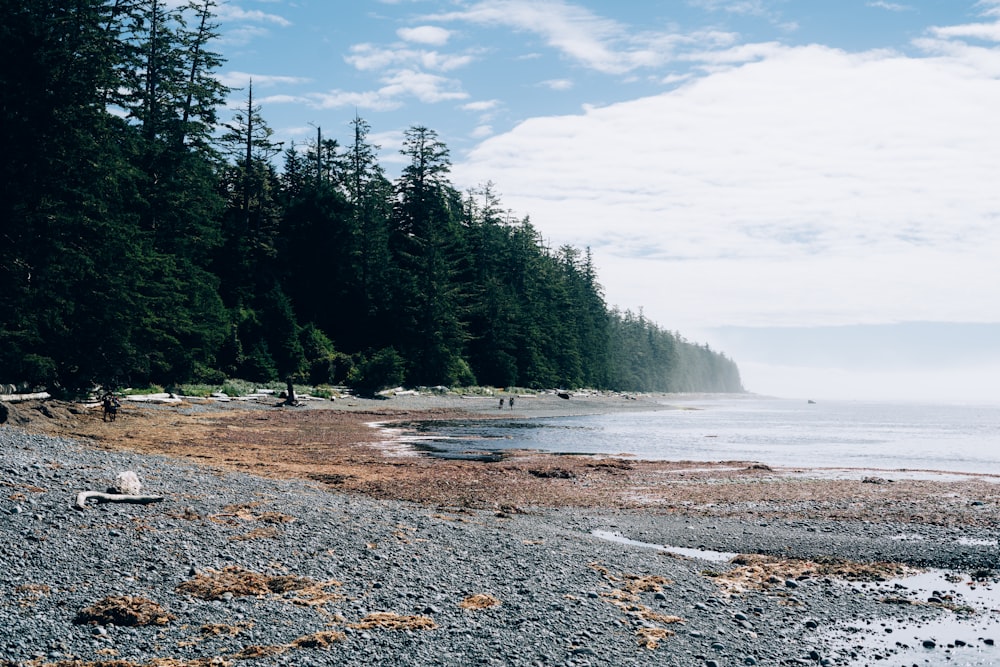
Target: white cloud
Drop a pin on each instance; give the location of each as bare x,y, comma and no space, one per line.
810,187
985,31
427,88
425,34
744,7
242,79
591,40
371,100
242,35
991,7
228,12
890,6
368,57
558,84
481,106
482,131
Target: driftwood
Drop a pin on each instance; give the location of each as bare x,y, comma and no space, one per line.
125,490
101,497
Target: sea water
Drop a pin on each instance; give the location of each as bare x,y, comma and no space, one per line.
958,438
907,438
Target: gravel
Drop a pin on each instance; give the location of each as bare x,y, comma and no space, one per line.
565,596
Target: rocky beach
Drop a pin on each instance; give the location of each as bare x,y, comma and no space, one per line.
307,536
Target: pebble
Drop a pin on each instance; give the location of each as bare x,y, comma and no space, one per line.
541,569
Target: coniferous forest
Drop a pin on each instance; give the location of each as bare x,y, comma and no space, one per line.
149,236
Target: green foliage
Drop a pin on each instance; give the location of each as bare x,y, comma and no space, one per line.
143,390
381,370
325,364
258,364
236,387
197,390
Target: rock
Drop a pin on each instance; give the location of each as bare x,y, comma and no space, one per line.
929,643
127,483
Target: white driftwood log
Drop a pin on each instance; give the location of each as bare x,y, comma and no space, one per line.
126,489
84,496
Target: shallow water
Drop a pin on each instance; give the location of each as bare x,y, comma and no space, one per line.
777,432
966,637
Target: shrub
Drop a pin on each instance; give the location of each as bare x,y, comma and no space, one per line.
383,369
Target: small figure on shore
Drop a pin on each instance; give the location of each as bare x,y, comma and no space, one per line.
510,402
501,404
109,407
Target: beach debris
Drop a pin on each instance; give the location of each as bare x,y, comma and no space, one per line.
320,639
124,610
479,601
551,473
764,573
237,582
651,637
234,581
387,620
125,489
626,594
876,480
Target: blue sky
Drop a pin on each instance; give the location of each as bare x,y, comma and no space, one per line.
811,186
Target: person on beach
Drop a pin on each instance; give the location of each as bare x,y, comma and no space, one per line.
109,407
511,402
501,404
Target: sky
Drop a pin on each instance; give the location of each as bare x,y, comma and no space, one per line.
811,187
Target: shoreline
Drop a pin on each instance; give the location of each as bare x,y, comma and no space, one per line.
303,493
335,443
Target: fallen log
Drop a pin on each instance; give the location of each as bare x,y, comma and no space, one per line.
100,497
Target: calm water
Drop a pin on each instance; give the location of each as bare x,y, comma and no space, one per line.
828,434
777,432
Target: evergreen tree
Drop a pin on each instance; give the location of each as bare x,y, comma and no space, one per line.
424,238
371,196
131,251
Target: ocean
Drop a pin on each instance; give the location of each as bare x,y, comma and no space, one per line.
844,437
959,438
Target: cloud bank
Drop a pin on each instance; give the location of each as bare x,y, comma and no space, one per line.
809,187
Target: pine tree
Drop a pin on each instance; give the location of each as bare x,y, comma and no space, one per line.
423,239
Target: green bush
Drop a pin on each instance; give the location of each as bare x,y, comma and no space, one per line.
259,365
383,369
234,388
322,392
37,371
199,390
460,374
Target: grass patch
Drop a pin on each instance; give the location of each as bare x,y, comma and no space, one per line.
143,391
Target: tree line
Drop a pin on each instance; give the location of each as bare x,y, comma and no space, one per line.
145,240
